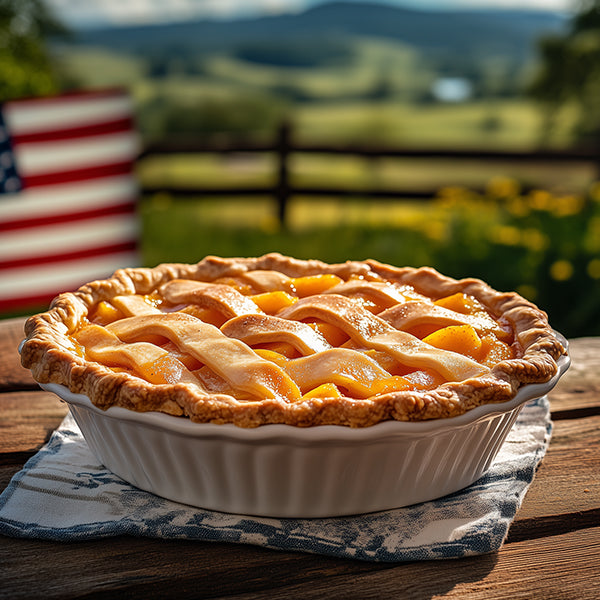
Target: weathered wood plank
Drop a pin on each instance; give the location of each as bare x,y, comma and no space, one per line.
10,465
27,419
568,480
12,375
579,388
140,568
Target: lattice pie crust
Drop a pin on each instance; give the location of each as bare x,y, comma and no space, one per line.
273,339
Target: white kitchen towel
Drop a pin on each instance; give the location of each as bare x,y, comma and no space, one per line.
64,494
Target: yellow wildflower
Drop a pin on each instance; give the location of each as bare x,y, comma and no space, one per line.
566,206
595,191
591,240
506,235
540,200
503,187
435,230
534,239
518,206
593,268
451,196
561,270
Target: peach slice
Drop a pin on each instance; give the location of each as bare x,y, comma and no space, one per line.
314,284
457,338
273,302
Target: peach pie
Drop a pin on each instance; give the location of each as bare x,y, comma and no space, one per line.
273,339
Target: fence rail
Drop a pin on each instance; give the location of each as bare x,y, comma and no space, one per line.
282,146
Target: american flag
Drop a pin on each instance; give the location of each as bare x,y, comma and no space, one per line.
67,194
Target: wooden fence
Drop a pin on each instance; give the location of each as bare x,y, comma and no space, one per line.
282,146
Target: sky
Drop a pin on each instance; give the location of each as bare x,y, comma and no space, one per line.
127,12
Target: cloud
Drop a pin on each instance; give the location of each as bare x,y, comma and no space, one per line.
101,12
153,11
558,5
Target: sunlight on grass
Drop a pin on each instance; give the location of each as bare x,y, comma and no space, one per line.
99,67
353,172
308,213
510,123
207,169
353,77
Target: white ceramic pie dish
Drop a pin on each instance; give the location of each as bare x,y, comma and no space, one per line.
286,471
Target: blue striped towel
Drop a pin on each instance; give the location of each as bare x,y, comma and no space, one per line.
64,494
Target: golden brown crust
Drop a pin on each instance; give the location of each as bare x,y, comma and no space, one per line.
53,357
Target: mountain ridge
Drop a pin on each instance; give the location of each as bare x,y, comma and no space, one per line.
509,31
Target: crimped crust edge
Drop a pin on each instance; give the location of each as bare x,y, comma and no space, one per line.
50,356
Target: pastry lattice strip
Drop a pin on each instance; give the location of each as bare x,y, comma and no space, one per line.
230,365
231,359
374,332
412,314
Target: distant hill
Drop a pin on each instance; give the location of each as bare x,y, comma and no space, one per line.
486,32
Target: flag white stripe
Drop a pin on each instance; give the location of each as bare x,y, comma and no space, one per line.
41,117
60,199
69,237
40,158
69,276
65,198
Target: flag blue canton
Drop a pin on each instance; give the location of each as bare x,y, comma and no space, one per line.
9,177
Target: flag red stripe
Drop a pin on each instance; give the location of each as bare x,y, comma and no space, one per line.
120,125
54,178
66,257
53,219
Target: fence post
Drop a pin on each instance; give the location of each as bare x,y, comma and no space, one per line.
597,153
282,185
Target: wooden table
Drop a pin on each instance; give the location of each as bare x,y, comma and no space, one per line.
553,549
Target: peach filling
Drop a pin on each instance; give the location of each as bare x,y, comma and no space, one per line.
265,335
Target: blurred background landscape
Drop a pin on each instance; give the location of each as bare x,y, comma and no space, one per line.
431,78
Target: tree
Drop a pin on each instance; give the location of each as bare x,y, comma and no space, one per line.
25,65
570,72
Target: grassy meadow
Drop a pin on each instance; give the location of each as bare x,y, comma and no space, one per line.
380,93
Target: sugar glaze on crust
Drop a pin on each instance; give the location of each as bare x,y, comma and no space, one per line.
52,356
